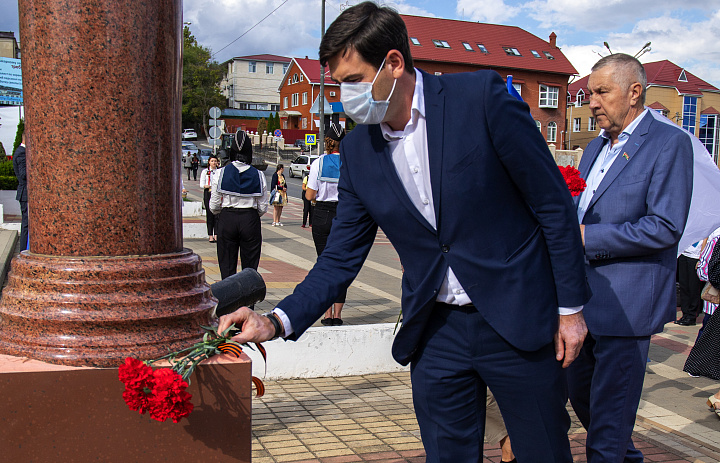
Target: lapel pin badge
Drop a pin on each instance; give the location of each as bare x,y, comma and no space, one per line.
625,155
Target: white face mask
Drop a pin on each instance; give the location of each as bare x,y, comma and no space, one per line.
359,104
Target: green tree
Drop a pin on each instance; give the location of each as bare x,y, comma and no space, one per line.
262,126
271,124
201,83
19,134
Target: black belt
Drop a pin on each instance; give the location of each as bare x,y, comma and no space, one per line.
326,204
238,209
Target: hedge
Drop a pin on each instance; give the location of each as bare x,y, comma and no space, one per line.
8,183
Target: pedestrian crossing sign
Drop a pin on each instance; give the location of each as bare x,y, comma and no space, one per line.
310,139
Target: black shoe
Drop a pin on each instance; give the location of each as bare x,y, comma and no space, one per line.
337,321
684,321
327,321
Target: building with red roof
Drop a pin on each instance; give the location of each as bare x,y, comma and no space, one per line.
300,88
539,70
672,91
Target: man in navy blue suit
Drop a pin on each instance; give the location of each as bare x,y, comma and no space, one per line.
639,181
455,172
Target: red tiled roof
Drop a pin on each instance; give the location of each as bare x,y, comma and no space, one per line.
494,37
658,105
271,58
662,73
709,110
311,68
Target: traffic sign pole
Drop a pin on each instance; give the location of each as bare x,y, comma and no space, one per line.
215,131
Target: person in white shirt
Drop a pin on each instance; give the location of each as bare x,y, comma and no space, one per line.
239,198
206,183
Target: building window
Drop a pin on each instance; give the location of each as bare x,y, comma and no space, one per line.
332,93
591,124
285,67
579,98
304,122
275,107
467,46
285,103
683,77
252,66
709,134
535,54
415,41
576,124
269,68
304,98
295,99
482,48
689,113
438,73
518,88
301,77
538,124
289,80
549,96
441,44
548,55
294,78
512,51
552,132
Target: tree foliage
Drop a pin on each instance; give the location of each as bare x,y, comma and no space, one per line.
201,83
19,134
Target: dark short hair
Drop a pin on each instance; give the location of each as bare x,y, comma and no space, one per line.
627,71
369,29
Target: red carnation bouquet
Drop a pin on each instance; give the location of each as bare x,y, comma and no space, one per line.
574,182
162,392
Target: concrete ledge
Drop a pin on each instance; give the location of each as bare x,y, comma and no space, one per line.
192,209
195,230
8,240
331,351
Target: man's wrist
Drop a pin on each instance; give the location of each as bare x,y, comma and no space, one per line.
277,324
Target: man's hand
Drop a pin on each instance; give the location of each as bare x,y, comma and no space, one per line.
569,337
254,327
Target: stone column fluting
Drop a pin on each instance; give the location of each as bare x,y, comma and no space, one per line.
106,275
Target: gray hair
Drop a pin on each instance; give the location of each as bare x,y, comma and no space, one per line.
628,70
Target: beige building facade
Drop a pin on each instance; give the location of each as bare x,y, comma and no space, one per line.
9,47
251,82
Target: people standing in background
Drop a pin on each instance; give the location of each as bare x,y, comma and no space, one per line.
188,164
19,166
194,165
322,187
239,196
690,285
278,183
307,204
206,177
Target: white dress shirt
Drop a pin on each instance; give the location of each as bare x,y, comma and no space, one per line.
205,179
326,191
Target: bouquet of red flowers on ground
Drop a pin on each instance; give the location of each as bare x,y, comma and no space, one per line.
162,391
574,182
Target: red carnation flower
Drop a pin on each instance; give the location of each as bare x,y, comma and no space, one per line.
139,381
574,182
169,399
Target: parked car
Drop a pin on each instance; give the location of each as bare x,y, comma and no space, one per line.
204,157
300,143
188,148
189,134
226,142
301,165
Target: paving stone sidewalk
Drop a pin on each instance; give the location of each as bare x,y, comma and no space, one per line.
370,417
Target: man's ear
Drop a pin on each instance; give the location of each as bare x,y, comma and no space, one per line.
396,63
635,93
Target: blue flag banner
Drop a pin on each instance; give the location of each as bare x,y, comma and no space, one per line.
511,89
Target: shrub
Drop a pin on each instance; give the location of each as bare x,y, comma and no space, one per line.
6,169
8,183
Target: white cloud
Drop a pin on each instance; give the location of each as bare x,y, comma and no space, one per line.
491,11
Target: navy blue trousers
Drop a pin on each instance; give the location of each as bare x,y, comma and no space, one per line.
605,384
459,354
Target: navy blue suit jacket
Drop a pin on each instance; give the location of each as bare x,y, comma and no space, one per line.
505,219
632,228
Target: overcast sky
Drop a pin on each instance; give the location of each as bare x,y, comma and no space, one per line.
685,32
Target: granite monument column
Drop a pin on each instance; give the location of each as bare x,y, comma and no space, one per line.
106,275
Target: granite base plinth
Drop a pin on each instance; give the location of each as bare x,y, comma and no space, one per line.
60,413
95,311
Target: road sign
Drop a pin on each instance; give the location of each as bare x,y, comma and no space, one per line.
310,139
215,132
277,133
214,122
215,112
214,142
